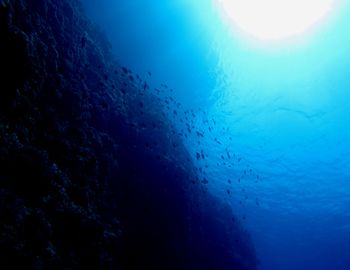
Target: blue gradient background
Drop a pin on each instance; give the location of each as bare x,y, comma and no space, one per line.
281,109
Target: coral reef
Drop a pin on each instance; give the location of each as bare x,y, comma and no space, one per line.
91,176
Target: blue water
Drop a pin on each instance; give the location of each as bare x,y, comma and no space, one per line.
273,119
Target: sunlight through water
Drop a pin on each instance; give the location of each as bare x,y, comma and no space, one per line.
267,82
275,19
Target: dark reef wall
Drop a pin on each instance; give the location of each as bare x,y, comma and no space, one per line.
92,175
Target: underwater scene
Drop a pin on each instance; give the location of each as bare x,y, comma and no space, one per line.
175,135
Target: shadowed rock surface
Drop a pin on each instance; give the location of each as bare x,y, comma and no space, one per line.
91,174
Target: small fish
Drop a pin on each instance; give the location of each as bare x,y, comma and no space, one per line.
216,140
228,154
199,134
125,70
145,86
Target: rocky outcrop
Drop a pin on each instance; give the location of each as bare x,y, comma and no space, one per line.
91,174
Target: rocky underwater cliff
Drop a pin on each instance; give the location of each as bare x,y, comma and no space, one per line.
93,174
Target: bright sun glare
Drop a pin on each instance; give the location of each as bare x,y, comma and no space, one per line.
275,19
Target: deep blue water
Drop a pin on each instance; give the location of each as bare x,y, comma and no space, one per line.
273,119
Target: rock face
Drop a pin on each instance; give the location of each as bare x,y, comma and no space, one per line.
91,174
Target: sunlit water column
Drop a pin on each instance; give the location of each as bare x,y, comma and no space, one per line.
283,91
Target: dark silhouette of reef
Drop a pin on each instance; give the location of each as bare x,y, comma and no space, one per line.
91,176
